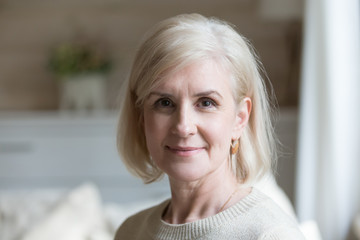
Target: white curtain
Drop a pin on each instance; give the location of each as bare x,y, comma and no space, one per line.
328,182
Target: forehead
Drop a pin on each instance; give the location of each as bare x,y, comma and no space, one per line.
197,76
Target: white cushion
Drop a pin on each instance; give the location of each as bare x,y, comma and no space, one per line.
77,217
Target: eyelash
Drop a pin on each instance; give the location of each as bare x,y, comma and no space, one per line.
159,104
212,102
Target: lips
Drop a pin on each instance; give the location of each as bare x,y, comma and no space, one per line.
183,148
184,151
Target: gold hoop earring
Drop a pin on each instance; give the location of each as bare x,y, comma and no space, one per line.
234,146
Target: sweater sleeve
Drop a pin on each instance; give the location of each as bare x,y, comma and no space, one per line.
282,233
133,228
125,231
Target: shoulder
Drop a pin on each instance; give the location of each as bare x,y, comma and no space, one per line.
267,209
139,222
282,233
265,219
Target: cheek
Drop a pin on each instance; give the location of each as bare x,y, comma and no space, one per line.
220,128
149,126
218,135
155,130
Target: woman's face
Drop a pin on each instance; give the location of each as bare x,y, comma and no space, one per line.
190,120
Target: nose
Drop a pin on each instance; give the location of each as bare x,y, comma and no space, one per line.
184,122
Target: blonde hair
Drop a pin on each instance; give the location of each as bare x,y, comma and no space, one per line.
173,44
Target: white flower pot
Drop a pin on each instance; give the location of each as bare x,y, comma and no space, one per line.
83,92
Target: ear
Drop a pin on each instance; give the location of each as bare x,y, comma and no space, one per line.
242,117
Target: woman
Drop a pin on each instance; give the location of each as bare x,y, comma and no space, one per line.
196,109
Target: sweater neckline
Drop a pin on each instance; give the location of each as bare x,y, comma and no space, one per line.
191,230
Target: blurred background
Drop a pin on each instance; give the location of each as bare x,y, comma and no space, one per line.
31,30
62,63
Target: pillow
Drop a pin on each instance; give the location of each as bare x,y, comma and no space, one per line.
310,230
77,217
20,209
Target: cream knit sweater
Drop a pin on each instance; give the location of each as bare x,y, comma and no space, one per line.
254,217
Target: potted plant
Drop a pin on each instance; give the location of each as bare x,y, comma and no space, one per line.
81,69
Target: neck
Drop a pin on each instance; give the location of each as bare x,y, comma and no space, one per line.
203,198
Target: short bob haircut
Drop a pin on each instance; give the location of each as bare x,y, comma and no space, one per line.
173,44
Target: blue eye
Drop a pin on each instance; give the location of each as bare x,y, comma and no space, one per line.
207,103
164,103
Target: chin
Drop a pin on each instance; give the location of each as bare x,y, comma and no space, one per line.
186,174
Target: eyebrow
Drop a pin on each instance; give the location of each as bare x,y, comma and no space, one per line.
160,94
200,94
207,93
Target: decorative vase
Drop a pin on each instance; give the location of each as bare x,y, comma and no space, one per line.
83,92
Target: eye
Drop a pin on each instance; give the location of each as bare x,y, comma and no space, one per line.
163,103
206,103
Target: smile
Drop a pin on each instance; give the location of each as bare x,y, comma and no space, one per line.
185,151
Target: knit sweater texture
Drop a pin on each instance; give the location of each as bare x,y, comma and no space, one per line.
254,217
